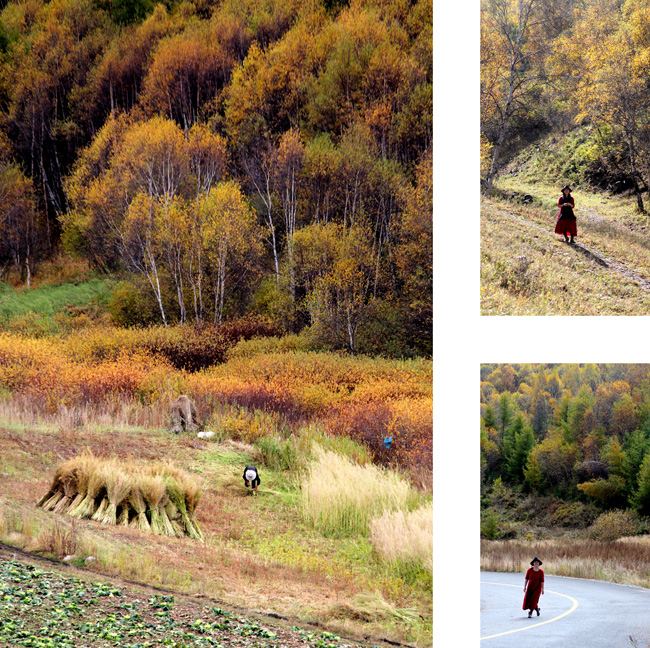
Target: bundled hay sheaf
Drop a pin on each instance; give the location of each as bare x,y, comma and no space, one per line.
157,498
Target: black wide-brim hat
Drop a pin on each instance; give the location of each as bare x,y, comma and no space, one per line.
536,559
566,187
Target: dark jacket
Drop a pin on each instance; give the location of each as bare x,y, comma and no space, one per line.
566,207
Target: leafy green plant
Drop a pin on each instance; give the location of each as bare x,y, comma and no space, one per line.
490,526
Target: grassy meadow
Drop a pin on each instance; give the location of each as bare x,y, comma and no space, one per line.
526,269
323,541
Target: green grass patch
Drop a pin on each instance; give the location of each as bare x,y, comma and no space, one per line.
52,309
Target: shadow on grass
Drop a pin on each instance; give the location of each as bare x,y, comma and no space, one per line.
590,255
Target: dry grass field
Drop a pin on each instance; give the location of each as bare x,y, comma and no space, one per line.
527,270
626,560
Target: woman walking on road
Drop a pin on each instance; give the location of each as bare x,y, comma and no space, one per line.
533,587
566,221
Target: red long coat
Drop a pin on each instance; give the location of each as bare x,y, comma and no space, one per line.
566,220
535,580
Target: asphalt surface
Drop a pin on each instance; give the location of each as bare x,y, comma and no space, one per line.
575,613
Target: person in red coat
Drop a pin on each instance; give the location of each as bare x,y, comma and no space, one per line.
566,223
533,587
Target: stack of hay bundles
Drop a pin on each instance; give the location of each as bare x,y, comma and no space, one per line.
158,498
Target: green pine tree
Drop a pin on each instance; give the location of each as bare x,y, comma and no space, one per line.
505,412
533,477
489,418
641,498
636,448
523,444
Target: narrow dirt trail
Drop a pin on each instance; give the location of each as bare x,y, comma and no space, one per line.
590,253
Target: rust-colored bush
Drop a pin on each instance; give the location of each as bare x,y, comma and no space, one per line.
407,422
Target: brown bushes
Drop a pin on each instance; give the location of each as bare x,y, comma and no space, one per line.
409,423
191,348
613,525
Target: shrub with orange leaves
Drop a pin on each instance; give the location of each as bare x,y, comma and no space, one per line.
254,394
408,422
40,368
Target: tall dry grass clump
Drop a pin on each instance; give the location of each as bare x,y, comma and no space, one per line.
404,537
340,497
157,498
626,560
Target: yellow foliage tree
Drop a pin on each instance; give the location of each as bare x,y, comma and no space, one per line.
339,301
608,62
230,232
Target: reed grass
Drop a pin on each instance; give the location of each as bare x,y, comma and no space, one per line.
624,561
340,497
403,537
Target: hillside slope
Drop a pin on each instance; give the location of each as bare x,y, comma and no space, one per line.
111,612
527,270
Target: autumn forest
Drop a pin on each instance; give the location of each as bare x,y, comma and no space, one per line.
553,67
226,158
216,253
576,432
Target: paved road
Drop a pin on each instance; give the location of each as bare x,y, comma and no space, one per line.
575,613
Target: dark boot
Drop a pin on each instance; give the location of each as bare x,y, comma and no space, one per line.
530,613
566,238
537,610
571,241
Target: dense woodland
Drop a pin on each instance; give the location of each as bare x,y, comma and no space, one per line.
227,157
579,432
548,67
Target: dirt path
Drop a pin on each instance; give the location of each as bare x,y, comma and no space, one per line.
44,603
590,253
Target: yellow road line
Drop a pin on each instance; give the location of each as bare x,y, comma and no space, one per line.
528,627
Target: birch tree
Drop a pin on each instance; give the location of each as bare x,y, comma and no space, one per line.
138,244
208,157
229,231
288,165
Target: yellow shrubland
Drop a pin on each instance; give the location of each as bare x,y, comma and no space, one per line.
108,366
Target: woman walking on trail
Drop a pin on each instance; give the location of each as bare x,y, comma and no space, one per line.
566,221
533,587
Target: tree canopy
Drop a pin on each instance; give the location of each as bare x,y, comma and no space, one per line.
549,67
593,441
213,149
